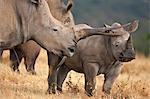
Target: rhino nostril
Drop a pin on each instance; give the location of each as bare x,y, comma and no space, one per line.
72,49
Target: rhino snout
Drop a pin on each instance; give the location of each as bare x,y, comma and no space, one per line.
126,56
71,50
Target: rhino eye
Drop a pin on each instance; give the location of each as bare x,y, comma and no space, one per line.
55,30
117,44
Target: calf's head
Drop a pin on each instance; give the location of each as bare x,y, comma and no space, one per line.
122,46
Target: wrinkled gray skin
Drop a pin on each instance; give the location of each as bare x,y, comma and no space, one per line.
97,55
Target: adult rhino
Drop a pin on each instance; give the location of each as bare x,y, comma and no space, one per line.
61,13
22,20
97,55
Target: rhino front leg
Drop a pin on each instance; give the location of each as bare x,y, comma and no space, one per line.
110,77
62,74
90,70
52,76
15,57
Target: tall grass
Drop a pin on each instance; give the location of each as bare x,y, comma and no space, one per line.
133,82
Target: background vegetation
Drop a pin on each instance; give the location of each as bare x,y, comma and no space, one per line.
98,12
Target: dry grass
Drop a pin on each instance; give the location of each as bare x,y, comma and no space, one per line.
133,82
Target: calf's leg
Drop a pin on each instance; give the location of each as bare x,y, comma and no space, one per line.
110,77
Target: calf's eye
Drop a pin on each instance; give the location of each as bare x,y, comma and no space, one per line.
117,44
55,30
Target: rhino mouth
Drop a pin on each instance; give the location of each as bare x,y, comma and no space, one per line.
67,52
126,59
127,55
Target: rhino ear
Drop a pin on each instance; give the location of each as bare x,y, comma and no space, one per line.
35,1
69,5
133,26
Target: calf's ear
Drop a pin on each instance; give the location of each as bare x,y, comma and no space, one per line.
35,1
133,26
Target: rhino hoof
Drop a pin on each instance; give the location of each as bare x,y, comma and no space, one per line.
16,71
89,94
50,91
32,72
106,96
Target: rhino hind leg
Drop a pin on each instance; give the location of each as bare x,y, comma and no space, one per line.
15,58
61,76
90,71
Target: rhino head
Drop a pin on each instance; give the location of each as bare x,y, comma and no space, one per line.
122,46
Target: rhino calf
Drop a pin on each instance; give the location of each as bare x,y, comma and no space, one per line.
100,54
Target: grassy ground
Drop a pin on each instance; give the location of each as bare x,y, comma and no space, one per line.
133,82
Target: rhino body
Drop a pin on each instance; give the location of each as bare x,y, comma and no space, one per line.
97,55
